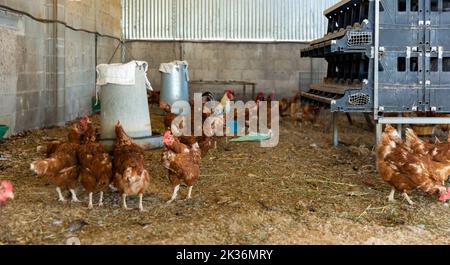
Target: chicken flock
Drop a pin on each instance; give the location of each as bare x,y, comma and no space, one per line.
82,160
407,165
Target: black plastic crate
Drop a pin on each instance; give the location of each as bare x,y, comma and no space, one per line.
414,57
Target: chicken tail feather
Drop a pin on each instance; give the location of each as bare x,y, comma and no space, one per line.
41,167
389,140
122,137
414,142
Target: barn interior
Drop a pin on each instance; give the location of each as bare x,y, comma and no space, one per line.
320,184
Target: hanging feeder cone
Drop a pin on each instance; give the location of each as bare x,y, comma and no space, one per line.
124,98
174,82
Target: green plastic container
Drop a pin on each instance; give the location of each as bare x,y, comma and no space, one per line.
253,137
3,130
96,105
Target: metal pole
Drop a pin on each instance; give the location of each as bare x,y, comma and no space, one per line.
413,120
379,131
122,37
335,129
376,69
253,91
96,55
122,52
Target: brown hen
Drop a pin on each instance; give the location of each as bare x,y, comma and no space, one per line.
406,170
182,163
95,165
302,113
130,176
61,168
74,135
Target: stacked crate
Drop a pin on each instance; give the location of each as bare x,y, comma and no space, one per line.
414,57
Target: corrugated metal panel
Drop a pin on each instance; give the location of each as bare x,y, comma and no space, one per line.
225,20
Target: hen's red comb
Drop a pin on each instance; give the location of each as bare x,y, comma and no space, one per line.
166,135
7,185
84,121
445,197
229,91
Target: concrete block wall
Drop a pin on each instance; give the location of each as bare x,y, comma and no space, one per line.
20,65
80,78
47,71
273,66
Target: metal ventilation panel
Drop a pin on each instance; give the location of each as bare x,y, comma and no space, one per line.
225,20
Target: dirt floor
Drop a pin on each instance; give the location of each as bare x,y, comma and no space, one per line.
301,192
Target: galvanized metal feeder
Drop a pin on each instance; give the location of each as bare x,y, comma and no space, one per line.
124,98
174,82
